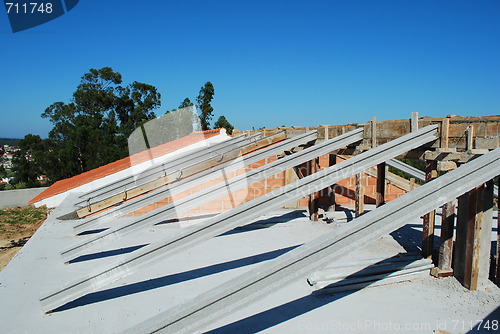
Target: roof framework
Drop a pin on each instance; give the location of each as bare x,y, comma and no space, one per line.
235,217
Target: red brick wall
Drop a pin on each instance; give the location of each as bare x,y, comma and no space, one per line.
344,190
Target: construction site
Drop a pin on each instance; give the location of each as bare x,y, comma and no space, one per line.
324,229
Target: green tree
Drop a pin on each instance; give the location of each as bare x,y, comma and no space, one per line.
186,103
222,122
92,129
203,102
26,167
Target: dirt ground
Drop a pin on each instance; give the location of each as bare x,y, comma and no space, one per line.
16,227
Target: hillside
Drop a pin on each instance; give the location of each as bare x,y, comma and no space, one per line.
9,141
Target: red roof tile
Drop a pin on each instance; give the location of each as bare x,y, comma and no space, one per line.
62,186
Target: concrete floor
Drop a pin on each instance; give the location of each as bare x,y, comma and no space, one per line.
420,306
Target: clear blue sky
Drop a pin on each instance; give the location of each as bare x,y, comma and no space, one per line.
273,63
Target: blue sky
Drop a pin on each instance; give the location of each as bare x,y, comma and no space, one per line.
273,63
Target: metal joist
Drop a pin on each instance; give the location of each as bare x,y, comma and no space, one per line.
240,215
196,314
197,179
159,170
184,204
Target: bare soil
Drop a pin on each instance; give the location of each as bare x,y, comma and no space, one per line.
16,227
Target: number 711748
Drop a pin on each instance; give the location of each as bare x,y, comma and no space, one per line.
29,8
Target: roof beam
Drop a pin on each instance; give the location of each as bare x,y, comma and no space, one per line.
184,172
184,204
187,183
240,215
158,170
410,170
195,315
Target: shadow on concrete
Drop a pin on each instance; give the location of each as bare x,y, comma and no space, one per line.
177,220
290,310
171,279
490,324
267,222
100,255
99,230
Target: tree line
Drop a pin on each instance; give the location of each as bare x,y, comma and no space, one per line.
92,129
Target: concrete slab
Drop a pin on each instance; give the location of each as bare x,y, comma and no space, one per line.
429,303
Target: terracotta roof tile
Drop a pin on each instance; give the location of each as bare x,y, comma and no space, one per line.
62,186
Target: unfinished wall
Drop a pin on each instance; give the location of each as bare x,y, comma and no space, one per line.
345,190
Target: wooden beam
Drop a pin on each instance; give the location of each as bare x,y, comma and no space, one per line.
313,167
446,245
332,160
180,174
473,242
445,132
380,200
360,195
374,131
429,218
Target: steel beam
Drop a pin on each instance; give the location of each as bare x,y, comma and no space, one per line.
195,315
240,215
184,204
197,179
159,170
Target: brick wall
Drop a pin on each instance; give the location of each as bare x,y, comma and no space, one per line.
345,190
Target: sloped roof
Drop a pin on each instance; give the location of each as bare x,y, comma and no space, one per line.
62,186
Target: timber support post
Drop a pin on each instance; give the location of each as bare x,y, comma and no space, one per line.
444,268
381,174
429,218
360,195
473,242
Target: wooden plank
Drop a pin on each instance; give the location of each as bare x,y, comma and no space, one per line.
177,175
332,160
374,131
360,195
446,245
429,218
380,199
472,261
471,252
314,197
445,132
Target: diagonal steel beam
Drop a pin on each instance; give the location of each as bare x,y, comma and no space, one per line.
158,170
195,315
218,190
187,183
238,216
